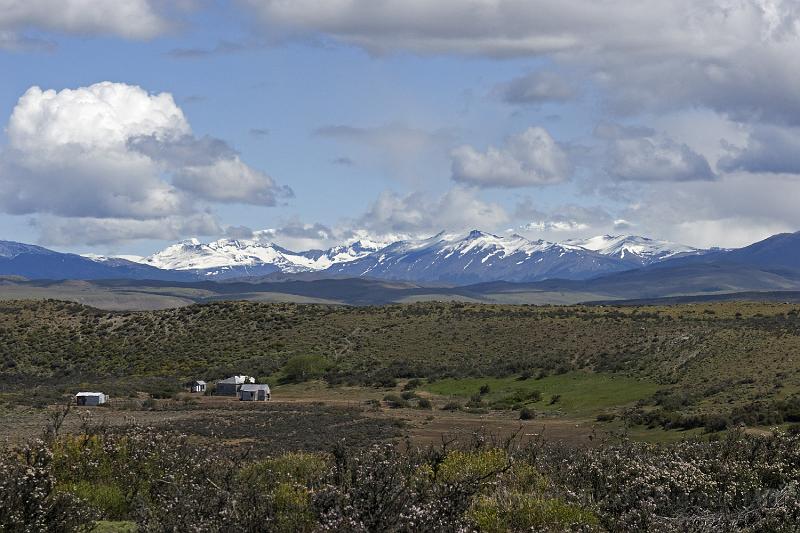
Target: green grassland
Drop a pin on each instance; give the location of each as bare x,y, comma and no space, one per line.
572,394
678,360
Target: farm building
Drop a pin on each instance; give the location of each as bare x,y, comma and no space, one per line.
196,386
231,386
254,393
90,398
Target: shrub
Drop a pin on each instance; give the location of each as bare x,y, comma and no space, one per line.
424,403
412,384
555,398
528,512
484,390
395,401
29,501
452,405
408,395
302,368
475,401
526,414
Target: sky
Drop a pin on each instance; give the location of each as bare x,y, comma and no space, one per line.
310,123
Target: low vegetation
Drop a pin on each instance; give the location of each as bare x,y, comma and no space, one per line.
162,480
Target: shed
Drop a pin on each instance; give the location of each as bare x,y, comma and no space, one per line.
255,393
231,386
90,398
196,386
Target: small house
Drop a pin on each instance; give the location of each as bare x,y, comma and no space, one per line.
90,398
250,392
231,386
196,386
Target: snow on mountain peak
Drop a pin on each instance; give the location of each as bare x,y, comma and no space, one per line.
224,254
632,247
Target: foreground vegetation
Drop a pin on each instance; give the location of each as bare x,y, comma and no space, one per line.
160,480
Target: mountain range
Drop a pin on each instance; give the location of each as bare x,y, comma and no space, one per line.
441,260
444,259
476,267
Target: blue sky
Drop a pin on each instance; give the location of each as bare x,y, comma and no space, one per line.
396,119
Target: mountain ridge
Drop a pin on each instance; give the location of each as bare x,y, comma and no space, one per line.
443,259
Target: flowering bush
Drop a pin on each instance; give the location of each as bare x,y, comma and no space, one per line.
29,501
166,482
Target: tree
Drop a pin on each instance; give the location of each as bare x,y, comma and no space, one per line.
302,368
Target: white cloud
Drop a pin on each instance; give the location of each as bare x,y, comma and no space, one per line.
130,19
641,154
570,220
528,159
230,181
726,55
735,210
418,214
773,149
57,231
114,151
536,88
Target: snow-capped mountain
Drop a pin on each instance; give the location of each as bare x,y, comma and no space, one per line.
35,262
444,258
479,257
634,249
228,258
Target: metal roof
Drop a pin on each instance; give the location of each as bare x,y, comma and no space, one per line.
254,388
90,394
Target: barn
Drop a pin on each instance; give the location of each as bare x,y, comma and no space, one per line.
231,386
254,393
90,398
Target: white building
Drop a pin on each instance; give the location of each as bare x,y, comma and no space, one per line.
196,386
254,393
231,386
90,398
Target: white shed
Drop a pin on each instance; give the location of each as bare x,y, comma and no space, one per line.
254,393
90,398
196,386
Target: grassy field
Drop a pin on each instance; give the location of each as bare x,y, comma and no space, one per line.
675,366
575,394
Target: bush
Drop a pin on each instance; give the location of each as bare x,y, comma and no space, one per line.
302,368
528,512
555,398
424,403
29,500
452,405
395,401
484,390
475,401
408,395
412,384
526,414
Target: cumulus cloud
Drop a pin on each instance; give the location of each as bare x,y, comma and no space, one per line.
641,154
57,231
650,54
114,151
530,158
230,181
536,88
572,219
418,213
131,19
772,149
297,235
735,210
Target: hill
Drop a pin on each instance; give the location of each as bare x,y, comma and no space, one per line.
706,358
